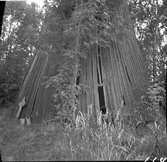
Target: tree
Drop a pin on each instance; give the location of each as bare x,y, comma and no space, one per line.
150,23
149,19
18,43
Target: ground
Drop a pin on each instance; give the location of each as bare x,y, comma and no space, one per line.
35,142
39,142
50,142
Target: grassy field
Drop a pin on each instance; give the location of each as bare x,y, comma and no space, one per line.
47,142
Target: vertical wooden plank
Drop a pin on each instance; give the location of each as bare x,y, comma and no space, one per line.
86,84
124,78
107,63
27,79
116,78
81,76
93,86
118,66
96,97
28,84
135,48
31,85
38,109
103,56
89,81
112,74
36,86
128,62
135,66
139,62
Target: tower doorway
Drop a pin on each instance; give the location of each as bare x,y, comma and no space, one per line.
100,83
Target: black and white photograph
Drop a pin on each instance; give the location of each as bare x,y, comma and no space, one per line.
83,80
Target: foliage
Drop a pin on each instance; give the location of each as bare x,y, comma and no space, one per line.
157,97
65,99
18,43
149,19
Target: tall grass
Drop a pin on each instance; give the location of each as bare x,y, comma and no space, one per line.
88,139
112,141
103,141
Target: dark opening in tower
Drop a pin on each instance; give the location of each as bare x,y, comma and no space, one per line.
77,80
101,99
100,85
77,84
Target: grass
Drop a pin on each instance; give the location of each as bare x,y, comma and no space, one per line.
86,141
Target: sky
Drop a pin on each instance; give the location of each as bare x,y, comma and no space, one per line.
39,2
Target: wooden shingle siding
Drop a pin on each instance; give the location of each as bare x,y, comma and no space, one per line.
118,73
